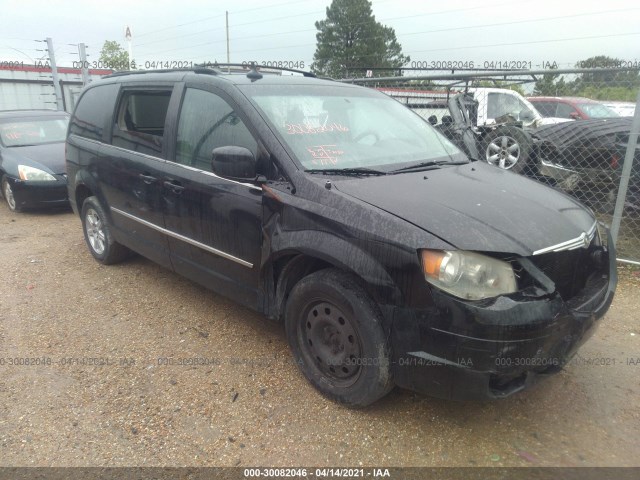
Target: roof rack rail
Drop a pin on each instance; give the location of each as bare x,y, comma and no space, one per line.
195,69
253,65
212,69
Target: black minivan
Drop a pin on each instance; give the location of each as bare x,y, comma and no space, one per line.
390,257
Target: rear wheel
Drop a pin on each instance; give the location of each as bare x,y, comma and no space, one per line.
7,193
97,234
335,331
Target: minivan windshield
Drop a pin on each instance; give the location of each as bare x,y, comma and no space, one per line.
334,128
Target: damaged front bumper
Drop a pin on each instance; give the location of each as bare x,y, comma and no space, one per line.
491,349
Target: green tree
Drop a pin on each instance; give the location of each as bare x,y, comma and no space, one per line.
608,76
552,85
115,57
607,84
351,41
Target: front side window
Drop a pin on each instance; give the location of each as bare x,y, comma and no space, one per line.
500,104
338,127
140,120
22,132
206,122
546,109
565,110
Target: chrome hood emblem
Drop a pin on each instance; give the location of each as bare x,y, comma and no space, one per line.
583,241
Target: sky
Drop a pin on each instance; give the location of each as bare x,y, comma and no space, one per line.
538,33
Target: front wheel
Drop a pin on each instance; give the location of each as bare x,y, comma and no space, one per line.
335,332
97,234
508,148
7,193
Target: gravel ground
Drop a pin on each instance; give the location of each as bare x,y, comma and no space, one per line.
249,405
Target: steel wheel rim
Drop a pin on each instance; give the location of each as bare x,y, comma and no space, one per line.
331,343
503,152
95,231
8,195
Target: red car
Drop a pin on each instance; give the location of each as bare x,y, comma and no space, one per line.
576,108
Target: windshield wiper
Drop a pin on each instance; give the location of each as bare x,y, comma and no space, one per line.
347,171
427,165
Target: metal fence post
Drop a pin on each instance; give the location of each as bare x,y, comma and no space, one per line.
626,172
54,75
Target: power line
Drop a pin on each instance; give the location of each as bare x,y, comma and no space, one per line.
440,12
448,48
180,25
517,22
514,43
237,25
529,43
218,16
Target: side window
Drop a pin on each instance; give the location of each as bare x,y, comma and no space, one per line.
207,122
93,112
139,124
500,104
546,109
565,110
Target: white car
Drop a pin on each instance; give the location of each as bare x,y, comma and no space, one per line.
624,109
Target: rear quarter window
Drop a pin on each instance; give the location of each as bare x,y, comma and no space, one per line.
92,116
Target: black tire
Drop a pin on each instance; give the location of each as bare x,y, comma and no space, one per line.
7,194
508,148
335,332
97,234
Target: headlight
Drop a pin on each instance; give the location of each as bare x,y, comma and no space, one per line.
34,174
467,275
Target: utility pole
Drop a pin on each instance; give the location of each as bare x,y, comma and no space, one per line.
228,56
84,65
127,36
54,74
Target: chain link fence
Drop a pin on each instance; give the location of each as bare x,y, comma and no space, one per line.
569,129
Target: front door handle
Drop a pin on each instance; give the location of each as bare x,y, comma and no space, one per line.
148,179
174,186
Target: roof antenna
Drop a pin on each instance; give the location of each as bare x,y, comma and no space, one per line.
254,74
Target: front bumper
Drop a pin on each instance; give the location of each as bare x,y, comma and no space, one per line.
29,194
491,349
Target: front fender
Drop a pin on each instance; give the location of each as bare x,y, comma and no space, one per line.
342,254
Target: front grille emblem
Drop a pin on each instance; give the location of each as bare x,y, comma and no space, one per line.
581,241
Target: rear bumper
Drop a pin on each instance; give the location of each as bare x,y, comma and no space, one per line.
484,350
29,194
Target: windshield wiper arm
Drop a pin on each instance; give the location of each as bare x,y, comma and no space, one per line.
347,171
426,165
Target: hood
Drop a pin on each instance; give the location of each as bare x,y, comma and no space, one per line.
49,155
476,207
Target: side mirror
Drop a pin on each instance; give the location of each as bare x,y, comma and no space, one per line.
574,115
236,163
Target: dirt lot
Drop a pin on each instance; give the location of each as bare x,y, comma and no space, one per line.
250,405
